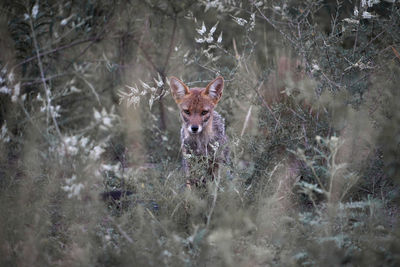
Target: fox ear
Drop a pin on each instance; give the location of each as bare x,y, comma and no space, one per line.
178,88
214,89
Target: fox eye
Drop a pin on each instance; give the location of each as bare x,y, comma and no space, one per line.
186,111
204,112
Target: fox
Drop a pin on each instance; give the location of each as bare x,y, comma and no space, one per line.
203,129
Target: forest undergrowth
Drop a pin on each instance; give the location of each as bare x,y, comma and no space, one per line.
90,153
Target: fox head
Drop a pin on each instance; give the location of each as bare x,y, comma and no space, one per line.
196,105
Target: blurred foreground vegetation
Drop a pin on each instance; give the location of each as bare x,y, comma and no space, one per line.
311,107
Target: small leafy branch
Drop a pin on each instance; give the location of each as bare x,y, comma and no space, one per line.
332,178
135,93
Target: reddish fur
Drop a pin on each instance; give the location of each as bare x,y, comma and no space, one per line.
196,101
196,107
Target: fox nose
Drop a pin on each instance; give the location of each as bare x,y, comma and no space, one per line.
195,128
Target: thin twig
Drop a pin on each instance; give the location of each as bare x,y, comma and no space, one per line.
85,49
57,49
36,81
47,90
123,233
35,125
265,103
373,39
217,181
276,28
91,88
246,121
147,56
355,41
171,44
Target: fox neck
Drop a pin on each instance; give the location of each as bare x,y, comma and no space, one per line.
199,143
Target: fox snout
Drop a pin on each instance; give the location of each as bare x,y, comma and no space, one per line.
193,122
194,129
